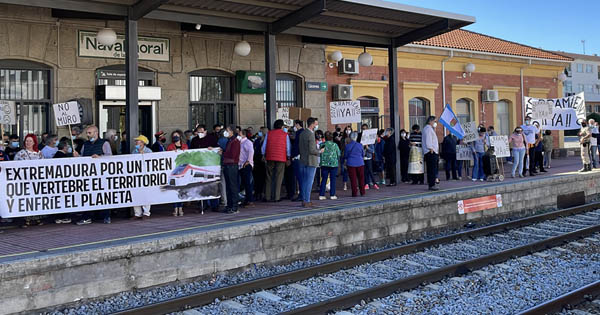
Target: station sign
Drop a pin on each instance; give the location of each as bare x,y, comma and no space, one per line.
316,86
149,48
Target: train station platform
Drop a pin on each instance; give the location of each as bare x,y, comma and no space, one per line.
53,264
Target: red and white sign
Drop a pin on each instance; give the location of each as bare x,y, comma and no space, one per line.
479,204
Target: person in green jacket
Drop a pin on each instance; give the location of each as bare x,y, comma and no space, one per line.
329,164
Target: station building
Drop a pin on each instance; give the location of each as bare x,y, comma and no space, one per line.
189,76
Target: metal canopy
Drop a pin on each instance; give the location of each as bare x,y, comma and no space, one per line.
365,22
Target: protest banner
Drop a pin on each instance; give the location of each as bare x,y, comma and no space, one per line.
470,129
344,112
368,136
500,144
46,187
464,153
283,113
567,112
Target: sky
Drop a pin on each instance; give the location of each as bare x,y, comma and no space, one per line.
550,24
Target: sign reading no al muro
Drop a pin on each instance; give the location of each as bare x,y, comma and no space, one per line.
149,48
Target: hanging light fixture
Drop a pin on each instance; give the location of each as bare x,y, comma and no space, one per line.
107,35
365,59
336,56
242,48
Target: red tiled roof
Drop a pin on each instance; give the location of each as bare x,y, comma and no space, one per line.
467,40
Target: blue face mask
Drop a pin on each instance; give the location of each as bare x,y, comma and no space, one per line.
285,130
15,144
137,146
260,134
92,139
70,150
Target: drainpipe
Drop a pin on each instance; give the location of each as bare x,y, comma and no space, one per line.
523,92
444,81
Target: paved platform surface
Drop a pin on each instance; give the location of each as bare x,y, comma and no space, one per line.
31,242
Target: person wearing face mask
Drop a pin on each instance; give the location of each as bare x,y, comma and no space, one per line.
50,149
309,159
177,144
159,144
259,172
449,155
389,156
13,147
517,144
593,144
584,145
431,152
112,138
64,149
529,131
404,148
276,150
245,164
231,159
478,150
141,142
30,152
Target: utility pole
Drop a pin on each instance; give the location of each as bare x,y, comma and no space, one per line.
583,43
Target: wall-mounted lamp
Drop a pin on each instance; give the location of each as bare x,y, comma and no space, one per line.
242,48
365,59
469,68
198,26
336,56
561,77
107,36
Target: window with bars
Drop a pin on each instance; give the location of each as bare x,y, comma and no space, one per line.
211,98
288,89
418,111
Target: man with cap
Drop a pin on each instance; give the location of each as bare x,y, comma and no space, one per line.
159,144
140,148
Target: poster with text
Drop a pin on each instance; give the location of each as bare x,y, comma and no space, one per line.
567,112
8,113
470,129
66,113
344,112
464,153
368,136
284,114
46,187
500,144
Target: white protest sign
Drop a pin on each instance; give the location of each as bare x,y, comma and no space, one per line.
470,129
567,112
593,142
464,153
8,113
344,112
542,109
284,114
500,144
368,136
67,113
52,186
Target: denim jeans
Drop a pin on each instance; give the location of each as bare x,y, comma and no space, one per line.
248,183
369,178
593,151
232,186
308,176
547,158
298,176
344,171
518,160
478,166
332,173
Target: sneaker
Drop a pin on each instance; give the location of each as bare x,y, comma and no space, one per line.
481,179
521,176
232,211
345,186
474,179
333,197
366,186
322,198
375,186
107,221
513,175
83,222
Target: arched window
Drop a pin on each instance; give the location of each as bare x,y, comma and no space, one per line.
211,98
503,115
464,107
418,111
28,84
369,107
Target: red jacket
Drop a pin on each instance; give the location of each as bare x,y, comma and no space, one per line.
276,146
172,147
231,155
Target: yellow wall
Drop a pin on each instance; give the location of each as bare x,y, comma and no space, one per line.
418,89
471,92
373,89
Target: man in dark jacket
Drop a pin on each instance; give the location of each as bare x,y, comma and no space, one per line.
389,155
231,157
404,147
449,155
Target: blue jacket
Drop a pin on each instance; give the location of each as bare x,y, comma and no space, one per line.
379,150
353,154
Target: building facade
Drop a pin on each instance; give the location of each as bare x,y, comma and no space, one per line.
583,75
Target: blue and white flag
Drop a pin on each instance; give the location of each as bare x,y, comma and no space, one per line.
450,121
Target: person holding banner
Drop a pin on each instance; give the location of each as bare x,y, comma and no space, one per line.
30,152
50,149
584,141
529,131
13,147
177,144
431,149
539,156
141,142
517,143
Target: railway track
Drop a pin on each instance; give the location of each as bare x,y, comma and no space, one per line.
349,282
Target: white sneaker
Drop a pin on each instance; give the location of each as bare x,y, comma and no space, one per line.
322,198
474,179
333,197
345,186
481,179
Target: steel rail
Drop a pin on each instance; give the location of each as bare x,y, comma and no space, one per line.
572,298
207,297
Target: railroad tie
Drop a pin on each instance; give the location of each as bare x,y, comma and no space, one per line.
268,296
234,305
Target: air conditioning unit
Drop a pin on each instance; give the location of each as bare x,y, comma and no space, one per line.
348,66
342,92
489,96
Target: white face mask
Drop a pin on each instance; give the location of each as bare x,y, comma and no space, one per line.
226,134
239,138
403,134
201,135
317,127
434,124
295,129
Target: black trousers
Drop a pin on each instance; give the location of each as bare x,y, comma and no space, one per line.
390,171
539,160
431,160
232,185
404,168
451,166
531,153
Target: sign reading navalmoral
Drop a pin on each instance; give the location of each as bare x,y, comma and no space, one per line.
46,187
567,112
8,113
500,144
344,112
66,113
149,48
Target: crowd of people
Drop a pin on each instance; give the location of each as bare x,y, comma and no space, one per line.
255,166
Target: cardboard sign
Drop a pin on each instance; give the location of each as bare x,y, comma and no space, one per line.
479,204
344,112
542,109
471,133
500,144
464,153
284,114
368,136
566,114
8,113
66,113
